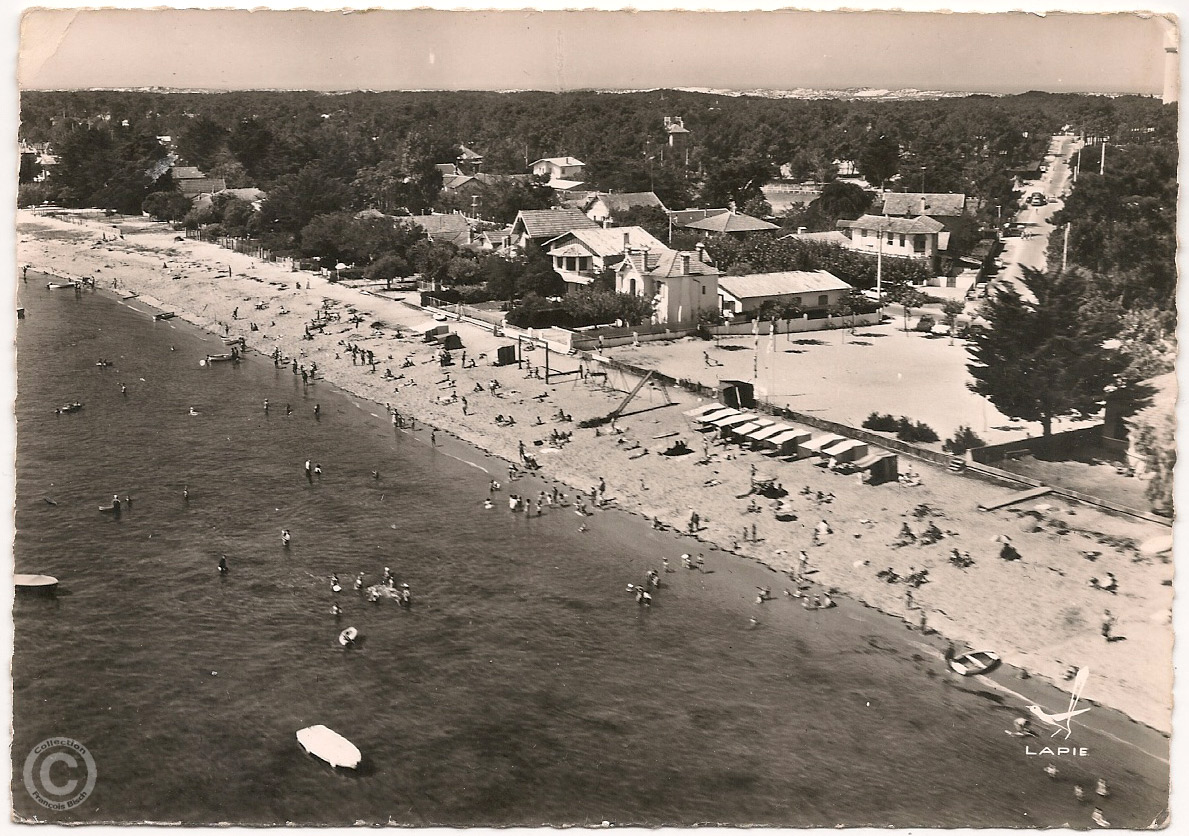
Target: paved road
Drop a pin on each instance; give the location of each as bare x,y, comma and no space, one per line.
1054,185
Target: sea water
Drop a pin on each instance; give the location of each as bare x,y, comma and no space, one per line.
524,685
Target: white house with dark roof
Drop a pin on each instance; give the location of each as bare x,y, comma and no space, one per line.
581,255
917,238
815,291
680,283
560,168
605,207
540,225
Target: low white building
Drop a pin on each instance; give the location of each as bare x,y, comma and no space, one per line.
917,238
814,291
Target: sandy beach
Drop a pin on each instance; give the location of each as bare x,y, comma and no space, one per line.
1040,612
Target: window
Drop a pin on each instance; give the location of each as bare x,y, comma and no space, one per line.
891,238
901,240
703,290
797,301
632,287
823,301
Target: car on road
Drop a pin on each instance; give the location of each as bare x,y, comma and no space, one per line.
1037,199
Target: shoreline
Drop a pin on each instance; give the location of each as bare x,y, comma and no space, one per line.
584,457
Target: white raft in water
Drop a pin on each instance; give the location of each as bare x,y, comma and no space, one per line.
329,746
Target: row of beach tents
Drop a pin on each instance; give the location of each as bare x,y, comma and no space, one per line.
786,441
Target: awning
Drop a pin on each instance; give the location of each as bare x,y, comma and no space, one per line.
867,461
751,426
732,420
721,412
847,450
783,438
816,445
768,432
703,409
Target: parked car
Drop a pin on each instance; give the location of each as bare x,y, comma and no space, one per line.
1037,199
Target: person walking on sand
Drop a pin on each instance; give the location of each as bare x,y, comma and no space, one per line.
223,570
266,405
433,438
1108,623
317,411
288,409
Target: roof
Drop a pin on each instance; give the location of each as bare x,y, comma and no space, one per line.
912,204
681,217
629,200
447,169
549,223
788,283
565,185
676,128
668,263
450,182
465,153
831,237
451,228
731,222
608,241
559,161
880,223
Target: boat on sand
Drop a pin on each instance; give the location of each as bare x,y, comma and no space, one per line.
973,663
35,583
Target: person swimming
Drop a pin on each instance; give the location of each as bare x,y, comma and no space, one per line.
285,538
335,586
336,611
488,505
193,411
223,570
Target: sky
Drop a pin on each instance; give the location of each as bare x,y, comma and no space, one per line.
559,50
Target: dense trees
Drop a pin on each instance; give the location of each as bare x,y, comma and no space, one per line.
1041,361
768,255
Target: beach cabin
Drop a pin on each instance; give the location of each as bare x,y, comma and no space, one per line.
737,393
739,432
815,445
787,443
758,435
724,424
880,466
847,450
706,418
702,410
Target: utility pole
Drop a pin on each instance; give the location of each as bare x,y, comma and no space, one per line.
1102,159
1065,248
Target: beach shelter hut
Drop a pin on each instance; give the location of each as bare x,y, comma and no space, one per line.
767,432
880,466
433,333
847,450
703,409
737,393
505,355
721,412
450,341
740,431
787,443
732,420
816,444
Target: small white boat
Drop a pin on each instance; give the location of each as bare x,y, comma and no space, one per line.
58,285
329,746
39,583
974,663
348,636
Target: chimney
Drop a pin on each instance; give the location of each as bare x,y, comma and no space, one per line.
606,223
685,264
626,241
801,230
701,248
